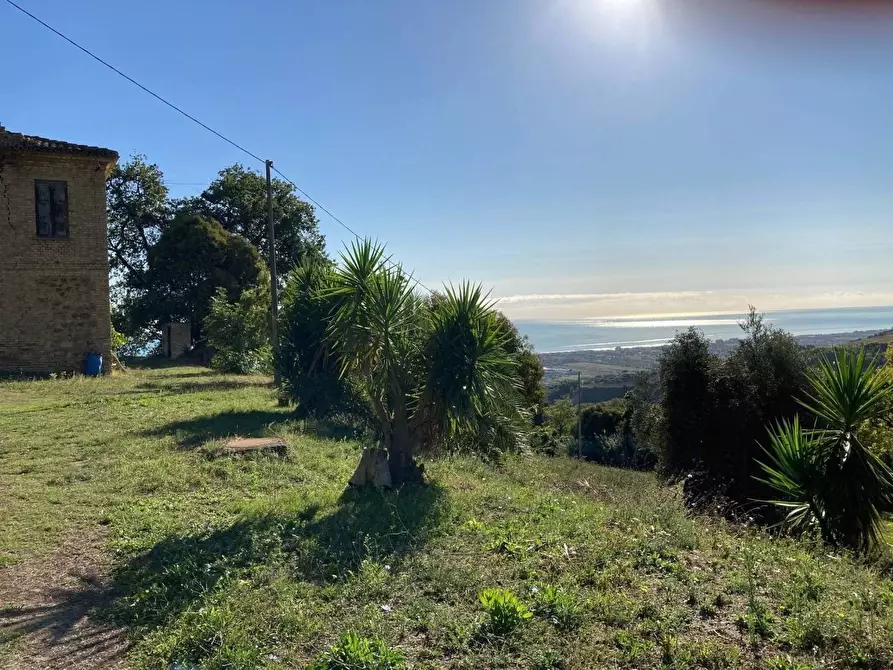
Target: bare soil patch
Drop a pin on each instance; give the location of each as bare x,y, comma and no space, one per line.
46,606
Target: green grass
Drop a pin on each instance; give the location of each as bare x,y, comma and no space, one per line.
267,563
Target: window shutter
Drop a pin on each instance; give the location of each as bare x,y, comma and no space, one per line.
43,202
60,209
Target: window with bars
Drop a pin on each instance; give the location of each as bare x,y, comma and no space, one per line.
51,204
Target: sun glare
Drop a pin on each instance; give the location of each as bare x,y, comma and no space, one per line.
621,5
635,23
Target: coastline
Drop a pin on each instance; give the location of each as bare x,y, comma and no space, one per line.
808,340
610,373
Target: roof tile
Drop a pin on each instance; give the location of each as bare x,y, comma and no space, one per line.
20,142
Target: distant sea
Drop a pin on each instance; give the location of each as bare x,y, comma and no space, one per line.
609,333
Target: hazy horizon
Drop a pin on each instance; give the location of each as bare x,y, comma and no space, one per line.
558,307
608,333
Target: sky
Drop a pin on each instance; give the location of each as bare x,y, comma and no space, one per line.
580,158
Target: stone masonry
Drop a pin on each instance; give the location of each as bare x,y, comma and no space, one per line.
54,292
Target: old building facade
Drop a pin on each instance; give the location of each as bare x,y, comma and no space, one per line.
54,286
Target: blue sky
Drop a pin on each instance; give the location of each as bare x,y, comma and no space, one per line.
580,157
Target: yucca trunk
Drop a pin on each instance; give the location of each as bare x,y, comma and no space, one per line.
402,448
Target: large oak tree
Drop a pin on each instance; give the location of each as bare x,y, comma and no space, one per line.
238,200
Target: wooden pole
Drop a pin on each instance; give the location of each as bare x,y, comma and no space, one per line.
274,282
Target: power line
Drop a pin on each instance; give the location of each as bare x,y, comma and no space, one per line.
134,81
308,196
346,227
200,123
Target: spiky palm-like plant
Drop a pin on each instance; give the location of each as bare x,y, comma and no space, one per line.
826,476
429,368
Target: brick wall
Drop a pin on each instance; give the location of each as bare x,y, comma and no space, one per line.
54,293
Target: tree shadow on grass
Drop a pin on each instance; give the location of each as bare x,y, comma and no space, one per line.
180,571
62,630
191,433
84,627
199,387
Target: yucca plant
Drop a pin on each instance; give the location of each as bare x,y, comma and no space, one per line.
826,477
431,369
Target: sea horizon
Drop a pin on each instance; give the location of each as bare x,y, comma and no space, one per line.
604,333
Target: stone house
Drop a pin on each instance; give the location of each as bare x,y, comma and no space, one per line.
54,281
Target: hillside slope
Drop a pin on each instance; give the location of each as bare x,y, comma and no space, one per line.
118,527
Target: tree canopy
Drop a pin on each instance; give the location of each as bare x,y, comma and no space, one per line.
159,274
138,211
238,200
192,259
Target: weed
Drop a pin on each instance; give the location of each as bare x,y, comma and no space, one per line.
631,646
549,660
808,584
647,611
613,609
505,613
458,635
353,652
560,607
707,611
716,656
805,631
786,663
658,559
758,620
857,657
673,653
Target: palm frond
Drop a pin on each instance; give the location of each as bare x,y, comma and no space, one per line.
795,473
470,374
847,390
826,475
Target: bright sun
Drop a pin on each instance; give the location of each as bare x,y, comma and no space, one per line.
622,5
629,22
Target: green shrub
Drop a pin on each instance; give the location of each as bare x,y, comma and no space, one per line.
714,412
309,368
358,653
604,418
530,369
548,441
239,332
505,613
619,450
561,416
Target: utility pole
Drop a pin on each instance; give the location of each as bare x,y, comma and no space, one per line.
274,282
579,415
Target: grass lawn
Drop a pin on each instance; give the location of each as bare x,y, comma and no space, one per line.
123,543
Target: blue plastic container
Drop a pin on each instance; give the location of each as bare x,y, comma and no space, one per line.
94,365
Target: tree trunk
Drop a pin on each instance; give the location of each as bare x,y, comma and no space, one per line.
393,468
373,470
404,469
